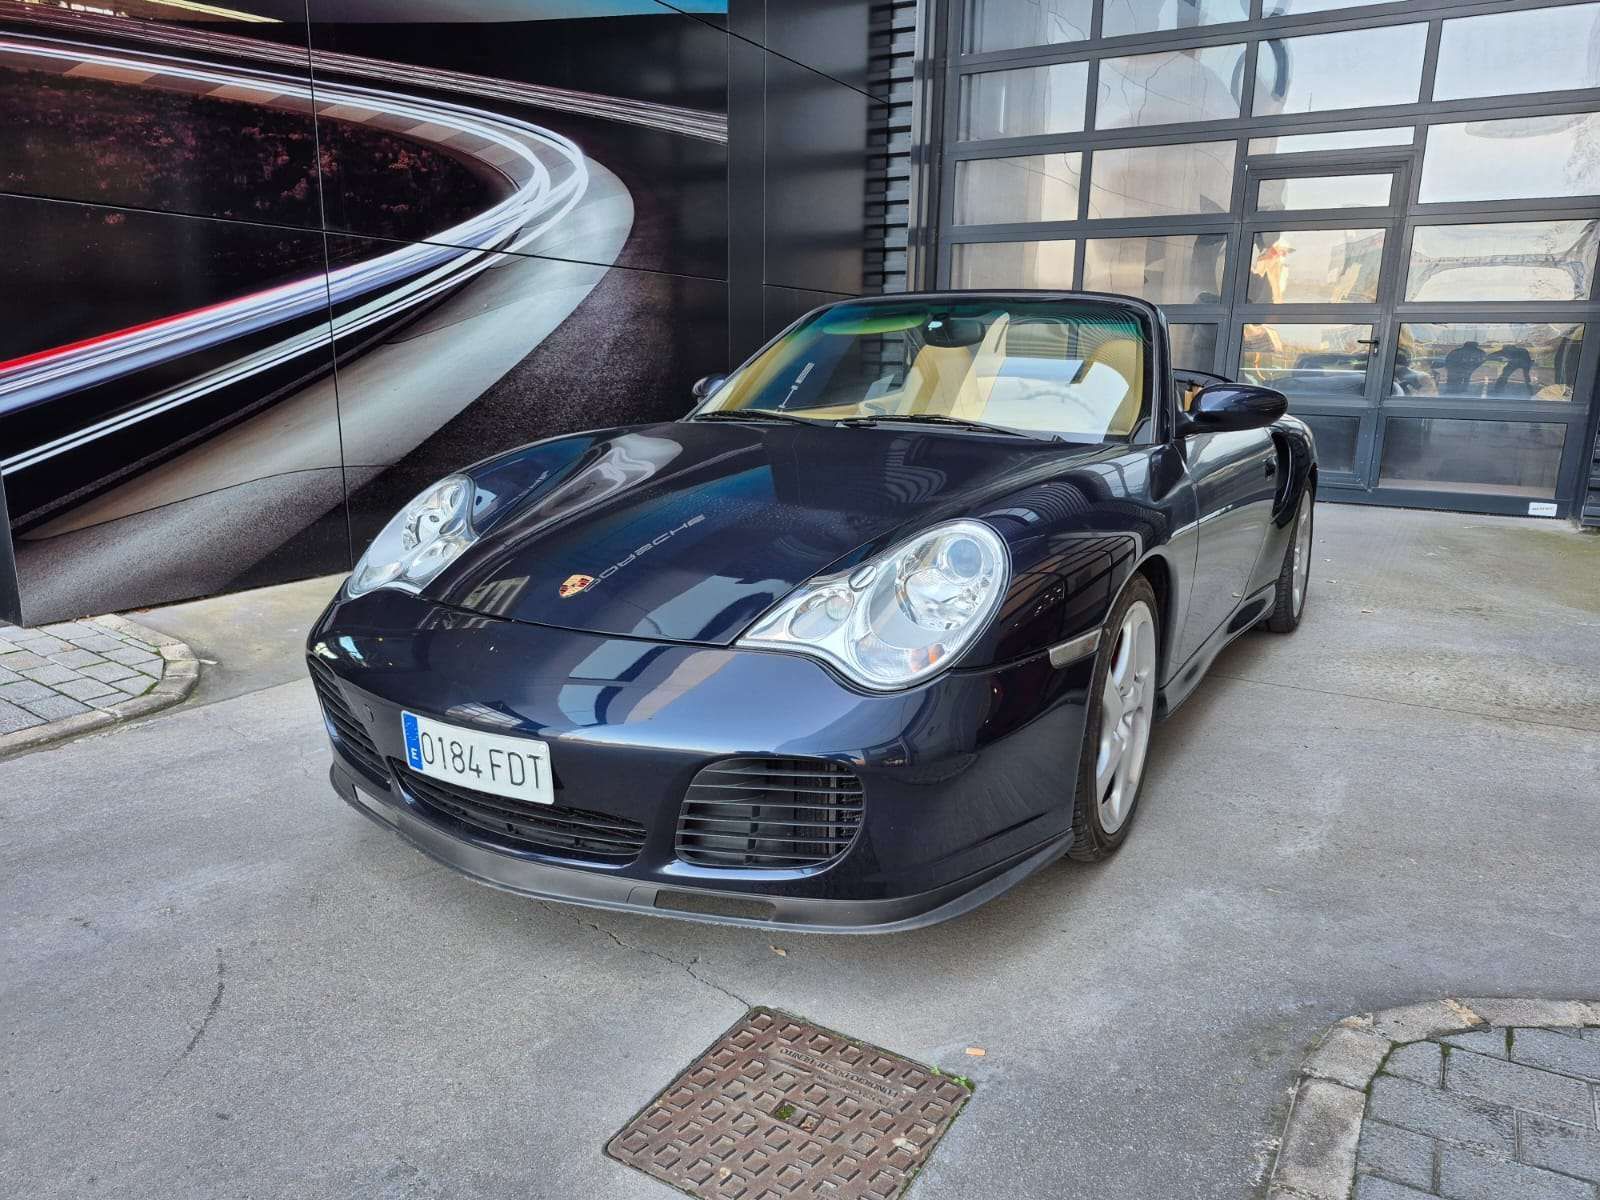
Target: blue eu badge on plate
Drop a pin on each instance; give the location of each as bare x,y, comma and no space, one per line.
408,723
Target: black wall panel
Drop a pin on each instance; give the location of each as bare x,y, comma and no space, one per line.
816,179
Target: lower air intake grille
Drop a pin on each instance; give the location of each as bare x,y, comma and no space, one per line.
546,828
350,735
769,813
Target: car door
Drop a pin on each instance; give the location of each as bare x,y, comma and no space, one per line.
1235,478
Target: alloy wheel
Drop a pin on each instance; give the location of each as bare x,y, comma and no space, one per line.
1301,571
1127,708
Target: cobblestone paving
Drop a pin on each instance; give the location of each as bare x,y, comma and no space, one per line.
1476,1099
59,671
1492,1114
61,680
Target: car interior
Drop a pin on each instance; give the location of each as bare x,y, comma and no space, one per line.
1080,376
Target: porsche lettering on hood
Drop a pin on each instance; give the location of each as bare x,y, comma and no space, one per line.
728,520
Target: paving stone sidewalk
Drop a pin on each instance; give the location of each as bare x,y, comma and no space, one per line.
1463,1099
65,679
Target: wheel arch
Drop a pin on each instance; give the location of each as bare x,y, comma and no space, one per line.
1155,568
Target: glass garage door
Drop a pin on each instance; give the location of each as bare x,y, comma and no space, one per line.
1389,212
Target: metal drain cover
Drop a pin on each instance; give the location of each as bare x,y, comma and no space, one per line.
779,1108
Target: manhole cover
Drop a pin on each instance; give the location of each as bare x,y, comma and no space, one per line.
779,1108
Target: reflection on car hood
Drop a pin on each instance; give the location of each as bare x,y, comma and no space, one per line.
689,531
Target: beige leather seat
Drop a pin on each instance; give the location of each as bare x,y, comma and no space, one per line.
1105,398
1125,356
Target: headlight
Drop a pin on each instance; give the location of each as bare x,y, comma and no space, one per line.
898,618
421,540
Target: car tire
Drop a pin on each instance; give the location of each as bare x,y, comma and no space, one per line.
1113,757
1294,578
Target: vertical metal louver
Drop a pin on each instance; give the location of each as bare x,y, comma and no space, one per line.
769,813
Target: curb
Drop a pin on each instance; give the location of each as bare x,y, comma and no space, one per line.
179,673
1317,1154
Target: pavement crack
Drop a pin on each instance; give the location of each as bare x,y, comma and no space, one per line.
205,1021
687,967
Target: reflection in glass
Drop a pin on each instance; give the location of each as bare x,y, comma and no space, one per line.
1521,158
1023,102
1035,187
1307,359
1316,266
1194,347
1180,269
1354,69
1201,84
1343,139
1531,50
1336,441
1489,360
1285,8
1151,181
1013,264
1517,458
1324,191
1008,24
1533,260
1146,16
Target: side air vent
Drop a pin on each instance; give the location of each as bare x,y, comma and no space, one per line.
769,813
349,734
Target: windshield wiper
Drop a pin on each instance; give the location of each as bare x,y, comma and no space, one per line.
755,414
941,419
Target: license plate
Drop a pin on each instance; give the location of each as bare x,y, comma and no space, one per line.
515,767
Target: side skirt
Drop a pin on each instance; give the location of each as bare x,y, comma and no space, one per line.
1182,685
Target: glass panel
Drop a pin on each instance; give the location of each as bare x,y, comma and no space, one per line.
1013,265
1037,187
1354,69
1307,359
1537,50
1181,269
1336,440
1536,260
1344,139
1155,181
1147,16
1202,84
1285,8
1325,191
1194,346
1316,266
1025,101
1489,360
1517,159
1442,454
1007,24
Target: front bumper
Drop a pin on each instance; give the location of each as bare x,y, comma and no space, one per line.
966,780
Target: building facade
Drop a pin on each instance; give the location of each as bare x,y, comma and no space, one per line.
1390,211
277,264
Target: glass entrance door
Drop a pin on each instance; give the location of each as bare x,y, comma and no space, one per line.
1314,290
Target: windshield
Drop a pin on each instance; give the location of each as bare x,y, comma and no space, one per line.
1072,369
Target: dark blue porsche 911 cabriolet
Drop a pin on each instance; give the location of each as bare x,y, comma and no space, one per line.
878,629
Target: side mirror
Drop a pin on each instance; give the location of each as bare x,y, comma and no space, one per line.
1227,407
705,386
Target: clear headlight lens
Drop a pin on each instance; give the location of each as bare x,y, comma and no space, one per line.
901,617
420,541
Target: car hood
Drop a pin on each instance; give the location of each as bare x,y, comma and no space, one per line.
689,531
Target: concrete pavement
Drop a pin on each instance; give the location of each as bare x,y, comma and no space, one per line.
220,981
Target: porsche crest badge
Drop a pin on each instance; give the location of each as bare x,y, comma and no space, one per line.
574,584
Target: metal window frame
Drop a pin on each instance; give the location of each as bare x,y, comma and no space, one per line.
1581,415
